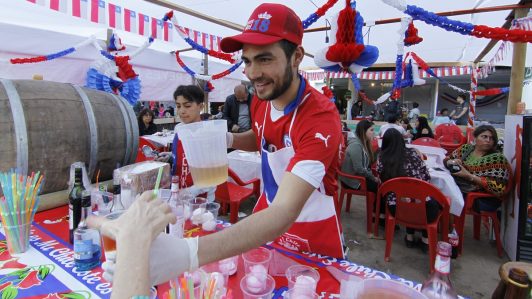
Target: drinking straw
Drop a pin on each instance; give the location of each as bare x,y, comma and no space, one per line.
97,179
158,182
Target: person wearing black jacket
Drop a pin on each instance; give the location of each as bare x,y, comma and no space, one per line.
145,120
236,110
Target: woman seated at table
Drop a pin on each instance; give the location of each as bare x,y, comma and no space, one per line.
145,120
359,156
482,168
396,160
422,128
405,123
189,104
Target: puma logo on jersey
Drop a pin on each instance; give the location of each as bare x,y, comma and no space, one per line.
258,127
320,137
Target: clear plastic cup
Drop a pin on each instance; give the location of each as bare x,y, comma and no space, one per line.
205,146
295,271
257,287
196,209
208,222
385,288
229,266
164,195
109,245
300,294
178,229
214,271
17,237
257,260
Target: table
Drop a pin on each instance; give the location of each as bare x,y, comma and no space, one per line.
247,165
160,140
442,178
50,252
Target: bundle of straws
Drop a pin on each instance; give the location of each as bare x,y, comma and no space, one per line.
19,205
183,288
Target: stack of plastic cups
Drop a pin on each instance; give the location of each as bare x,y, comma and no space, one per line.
302,282
257,283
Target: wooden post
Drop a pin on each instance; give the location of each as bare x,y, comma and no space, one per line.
436,95
206,73
518,69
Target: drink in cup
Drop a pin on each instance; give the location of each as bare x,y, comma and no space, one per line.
109,244
205,147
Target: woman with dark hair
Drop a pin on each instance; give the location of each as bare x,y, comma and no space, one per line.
405,123
145,120
422,128
482,168
359,156
396,160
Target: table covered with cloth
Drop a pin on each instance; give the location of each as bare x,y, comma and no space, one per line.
47,269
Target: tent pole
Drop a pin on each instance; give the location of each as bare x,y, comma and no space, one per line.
206,73
518,69
436,95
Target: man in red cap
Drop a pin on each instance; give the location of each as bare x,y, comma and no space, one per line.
298,131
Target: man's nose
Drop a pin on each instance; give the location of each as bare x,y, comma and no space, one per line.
253,72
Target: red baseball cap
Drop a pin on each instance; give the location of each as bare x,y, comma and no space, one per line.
268,24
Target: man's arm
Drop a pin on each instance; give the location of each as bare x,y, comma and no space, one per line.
260,227
464,110
246,141
226,113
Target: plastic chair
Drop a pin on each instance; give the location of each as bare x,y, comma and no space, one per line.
427,141
413,213
362,191
232,194
468,210
449,136
140,155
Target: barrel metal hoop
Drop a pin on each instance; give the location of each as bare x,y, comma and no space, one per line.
134,128
129,142
19,120
91,118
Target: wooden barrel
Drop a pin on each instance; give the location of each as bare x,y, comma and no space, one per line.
46,126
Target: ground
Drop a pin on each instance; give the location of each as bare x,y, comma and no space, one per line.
474,274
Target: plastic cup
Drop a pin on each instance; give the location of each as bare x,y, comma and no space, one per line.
17,237
205,147
257,287
229,265
257,260
109,245
178,229
153,293
300,294
385,288
198,277
214,271
196,209
295,271
164,195
211,215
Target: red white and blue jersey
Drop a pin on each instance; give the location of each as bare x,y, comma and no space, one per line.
316,135
180,167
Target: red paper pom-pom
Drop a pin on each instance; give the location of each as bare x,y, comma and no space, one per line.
411,37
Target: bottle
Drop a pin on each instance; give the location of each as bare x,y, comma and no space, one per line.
87,249
117,200
74,203
438,285
515,287
177,208
454,240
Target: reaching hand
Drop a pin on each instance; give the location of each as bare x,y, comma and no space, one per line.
164,157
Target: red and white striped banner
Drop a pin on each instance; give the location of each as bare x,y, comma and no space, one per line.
114,16
386,75
472,99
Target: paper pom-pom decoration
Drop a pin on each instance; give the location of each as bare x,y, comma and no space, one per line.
411,36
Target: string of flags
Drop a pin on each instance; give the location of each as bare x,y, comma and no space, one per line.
117,17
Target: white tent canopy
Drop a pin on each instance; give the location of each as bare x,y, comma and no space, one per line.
32,30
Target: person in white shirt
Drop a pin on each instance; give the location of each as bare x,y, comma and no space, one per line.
414,113
443,118
392,123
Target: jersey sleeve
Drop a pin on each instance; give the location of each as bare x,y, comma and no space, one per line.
318,146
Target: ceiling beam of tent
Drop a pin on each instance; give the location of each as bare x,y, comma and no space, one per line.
446,14
506,25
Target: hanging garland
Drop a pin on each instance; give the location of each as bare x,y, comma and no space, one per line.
492,91
320,12
52,56
425,67
464,28
205,77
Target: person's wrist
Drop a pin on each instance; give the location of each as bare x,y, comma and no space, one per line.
472,178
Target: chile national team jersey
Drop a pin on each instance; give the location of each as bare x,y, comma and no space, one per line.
316,135
180,166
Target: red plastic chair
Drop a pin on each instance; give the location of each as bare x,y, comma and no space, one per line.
427,141
362,191
449,136
468,210
413,213
140,155
233,194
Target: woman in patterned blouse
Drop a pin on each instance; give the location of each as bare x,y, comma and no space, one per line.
483,168
396,160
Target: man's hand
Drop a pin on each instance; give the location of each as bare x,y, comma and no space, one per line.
235,128
164,157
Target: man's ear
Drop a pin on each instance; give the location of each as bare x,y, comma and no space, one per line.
299,54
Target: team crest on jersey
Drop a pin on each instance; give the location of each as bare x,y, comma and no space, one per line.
287,141
272,148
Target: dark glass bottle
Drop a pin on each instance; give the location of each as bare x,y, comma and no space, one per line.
74,204
516,287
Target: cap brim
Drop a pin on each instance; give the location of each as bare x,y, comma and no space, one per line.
235,43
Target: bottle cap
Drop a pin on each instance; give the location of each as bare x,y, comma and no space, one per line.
519,278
